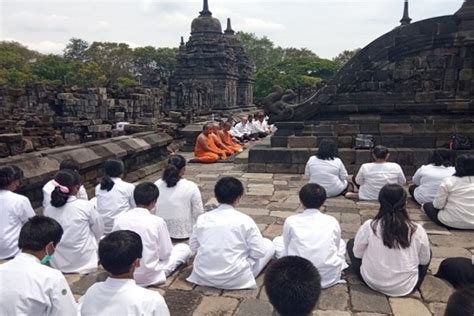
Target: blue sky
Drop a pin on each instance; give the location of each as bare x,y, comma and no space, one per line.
325,26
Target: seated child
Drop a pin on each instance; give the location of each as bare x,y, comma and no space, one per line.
231,251
28,286
293,286
314,236
120,253
160,257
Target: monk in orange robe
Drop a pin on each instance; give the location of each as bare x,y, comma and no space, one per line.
219,141
206,150
227,138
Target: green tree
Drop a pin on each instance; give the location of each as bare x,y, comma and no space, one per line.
76,50
345,56
262,51
88,74
15,64
52,69
151,64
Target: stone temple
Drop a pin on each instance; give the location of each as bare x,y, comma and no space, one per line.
213,72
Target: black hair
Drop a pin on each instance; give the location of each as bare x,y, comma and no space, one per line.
171,174
228,189
293,286
118,250
113,168
7,176
146,193
38,232
65,178
70,164
19,174
461,302
397,228
312,195
458,271
380,152
465,166
327,149
442,157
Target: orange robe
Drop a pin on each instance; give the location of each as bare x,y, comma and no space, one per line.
218,138
205,156
229,142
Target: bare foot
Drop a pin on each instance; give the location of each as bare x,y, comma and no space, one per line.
351,195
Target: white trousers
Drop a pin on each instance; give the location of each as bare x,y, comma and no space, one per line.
179,255
258,265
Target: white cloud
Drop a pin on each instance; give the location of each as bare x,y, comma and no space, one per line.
41,22
47,47
258,25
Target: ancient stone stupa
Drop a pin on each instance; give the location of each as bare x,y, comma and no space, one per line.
213,72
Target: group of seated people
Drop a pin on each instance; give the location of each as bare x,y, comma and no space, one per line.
219,141
129,228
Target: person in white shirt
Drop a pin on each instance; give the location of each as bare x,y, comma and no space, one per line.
314,236
256,127
327,170
28,286
82,225
160,257
231,251
114,196
69,164
293,286
427,178
373,176
453,206
390,253
120,253
179,202
16,209
244,128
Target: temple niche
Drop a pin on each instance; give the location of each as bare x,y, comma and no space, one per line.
213,72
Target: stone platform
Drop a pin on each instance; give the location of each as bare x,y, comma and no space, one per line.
269,199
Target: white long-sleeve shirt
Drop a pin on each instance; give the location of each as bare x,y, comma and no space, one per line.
15,211
455,199
48,188
121,297
330,174
111,203
156,241
316,237
393,272
373,176
83,227
30,288
428,178
234,132
225,239
179,206
244,129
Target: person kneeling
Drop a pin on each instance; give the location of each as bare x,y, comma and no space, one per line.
160,258
314,236
231,251
120,253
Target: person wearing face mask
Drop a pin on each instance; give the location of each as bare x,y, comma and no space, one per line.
16,209
28,286
82,225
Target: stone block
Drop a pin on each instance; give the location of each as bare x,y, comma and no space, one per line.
372,128
435,290
408,306
281,168
419,141
277,155
257,155
346,129
366,300
392,141
216,306
279,141
405,156
302,142
273,230
345,142
4,150
182,303
300,156
257,167
363,156
400,128
334,298
348,156
254,307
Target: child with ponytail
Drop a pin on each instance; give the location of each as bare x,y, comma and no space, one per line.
114,195
16,209
390,253
82,225
180,202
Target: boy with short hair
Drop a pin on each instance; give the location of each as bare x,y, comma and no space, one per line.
231,251
120,253
314,236
160,257
293,286
28,286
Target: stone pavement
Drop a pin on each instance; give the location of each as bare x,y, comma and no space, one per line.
269,199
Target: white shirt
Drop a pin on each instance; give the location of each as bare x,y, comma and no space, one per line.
121,297
48,188
256,127
234,132
83,227
30,288
179,206
225,239
156,241
244,129
393,272
330,174
316,237
455,199
15,211
373,176
111,203
428,178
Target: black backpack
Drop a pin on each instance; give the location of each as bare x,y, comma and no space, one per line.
460,142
